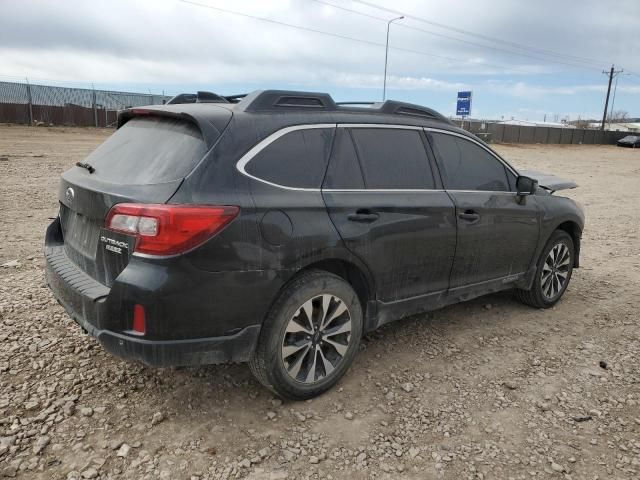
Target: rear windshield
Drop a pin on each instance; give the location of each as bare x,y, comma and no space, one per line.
148,150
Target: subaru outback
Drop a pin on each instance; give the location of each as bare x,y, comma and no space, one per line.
279,227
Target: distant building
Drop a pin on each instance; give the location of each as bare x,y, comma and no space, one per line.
618,127
527,123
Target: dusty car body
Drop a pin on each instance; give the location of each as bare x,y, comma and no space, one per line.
281,228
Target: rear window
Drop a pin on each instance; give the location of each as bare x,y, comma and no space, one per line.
297,159
148,150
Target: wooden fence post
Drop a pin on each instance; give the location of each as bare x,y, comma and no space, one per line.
95,107
30,102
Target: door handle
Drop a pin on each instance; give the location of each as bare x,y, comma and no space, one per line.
469,216
363,216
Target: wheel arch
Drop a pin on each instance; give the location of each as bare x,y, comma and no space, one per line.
575,232
353,275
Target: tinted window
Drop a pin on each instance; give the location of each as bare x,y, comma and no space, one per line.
392,158
465,165
297,159
344,170
148,150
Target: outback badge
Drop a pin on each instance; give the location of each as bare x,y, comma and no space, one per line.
114,246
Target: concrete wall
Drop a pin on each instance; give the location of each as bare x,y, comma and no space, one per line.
502,133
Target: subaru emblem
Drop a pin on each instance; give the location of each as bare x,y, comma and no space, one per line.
69,194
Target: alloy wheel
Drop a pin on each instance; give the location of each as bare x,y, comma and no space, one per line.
555,271
316,338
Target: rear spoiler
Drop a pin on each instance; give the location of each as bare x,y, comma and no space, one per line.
210,123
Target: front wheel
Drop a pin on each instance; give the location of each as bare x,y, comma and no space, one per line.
310,336
553,273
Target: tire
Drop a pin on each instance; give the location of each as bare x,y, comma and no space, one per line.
547,288
287,346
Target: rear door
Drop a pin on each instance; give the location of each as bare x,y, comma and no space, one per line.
384,199
497,234
144,161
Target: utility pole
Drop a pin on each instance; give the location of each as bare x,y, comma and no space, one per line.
386,56
612,73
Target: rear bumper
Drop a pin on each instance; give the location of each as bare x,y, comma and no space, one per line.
89,304
171,353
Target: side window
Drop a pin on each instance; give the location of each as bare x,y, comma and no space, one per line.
344,170
393,158
467,166
297,159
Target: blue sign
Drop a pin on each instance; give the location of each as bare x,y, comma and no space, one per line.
463,107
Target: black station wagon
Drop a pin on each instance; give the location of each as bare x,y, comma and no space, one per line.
280,227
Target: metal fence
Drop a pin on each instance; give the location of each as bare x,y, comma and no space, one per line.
502,133
49,105
33,104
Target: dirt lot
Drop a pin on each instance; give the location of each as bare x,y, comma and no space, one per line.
485,389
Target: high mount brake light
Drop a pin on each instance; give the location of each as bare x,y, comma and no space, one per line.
169,229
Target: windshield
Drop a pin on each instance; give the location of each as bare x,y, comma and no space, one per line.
148,150
631,138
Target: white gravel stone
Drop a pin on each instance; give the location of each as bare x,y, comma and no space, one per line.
123,451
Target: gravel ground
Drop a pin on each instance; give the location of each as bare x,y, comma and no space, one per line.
484,389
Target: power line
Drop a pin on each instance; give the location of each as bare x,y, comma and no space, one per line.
340,7
468,42
631,75
611,74
337,35
482,36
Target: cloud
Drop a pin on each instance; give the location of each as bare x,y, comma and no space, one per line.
525,90
396,82
174,31
172,44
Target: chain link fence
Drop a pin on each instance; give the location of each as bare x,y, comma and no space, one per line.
33,104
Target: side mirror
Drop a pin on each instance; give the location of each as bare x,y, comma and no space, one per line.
526,186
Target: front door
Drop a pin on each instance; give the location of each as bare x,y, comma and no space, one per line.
391,212
497,233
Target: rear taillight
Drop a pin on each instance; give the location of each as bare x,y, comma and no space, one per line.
168,229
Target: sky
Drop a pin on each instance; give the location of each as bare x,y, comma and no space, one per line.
522,59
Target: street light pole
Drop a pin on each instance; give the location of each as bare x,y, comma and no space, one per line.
386,57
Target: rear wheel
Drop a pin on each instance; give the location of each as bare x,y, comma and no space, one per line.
553,273
310,336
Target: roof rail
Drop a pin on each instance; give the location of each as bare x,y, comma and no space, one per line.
279,100
290,100
394,107
355,103
200,97
235,98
